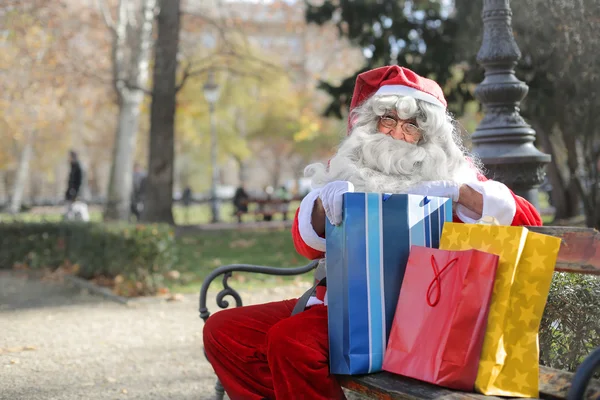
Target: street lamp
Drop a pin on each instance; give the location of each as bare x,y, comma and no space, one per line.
211,94
503,140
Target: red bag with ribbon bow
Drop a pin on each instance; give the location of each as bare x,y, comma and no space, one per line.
440,319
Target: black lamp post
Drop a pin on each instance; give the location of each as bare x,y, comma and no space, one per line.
503,140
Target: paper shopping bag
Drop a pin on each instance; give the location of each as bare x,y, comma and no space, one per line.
441,316
366,257
509,364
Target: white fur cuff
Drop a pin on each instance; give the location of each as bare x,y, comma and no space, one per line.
313,301
498,202
307,232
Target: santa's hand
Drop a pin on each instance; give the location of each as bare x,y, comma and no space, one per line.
332,198
437,188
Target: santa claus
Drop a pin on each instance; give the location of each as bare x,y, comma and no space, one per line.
401,139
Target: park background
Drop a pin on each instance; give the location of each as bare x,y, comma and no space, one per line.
130,81
79,75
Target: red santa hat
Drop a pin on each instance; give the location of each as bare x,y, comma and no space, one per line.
395,80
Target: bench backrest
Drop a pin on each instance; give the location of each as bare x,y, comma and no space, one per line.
579,251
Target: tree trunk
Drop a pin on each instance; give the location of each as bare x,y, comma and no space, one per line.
595,217
129,77
3,191
121,178
595,220
22,175
574,190
557,195
159,188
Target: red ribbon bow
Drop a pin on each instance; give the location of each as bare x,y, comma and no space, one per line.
436,279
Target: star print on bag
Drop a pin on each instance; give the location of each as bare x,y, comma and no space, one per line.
509,364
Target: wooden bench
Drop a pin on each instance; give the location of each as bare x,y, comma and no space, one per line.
579,253
266,208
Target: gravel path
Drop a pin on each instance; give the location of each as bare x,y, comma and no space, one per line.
58,342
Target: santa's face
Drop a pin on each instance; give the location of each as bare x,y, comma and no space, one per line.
377,159
377,162
393,146
400,129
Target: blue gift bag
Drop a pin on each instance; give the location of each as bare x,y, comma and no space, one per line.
366,259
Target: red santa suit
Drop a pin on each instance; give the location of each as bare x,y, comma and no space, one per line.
261,351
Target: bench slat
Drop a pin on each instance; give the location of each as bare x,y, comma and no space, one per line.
387,386
554,384
579,251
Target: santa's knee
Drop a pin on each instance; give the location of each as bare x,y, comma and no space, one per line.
283,341
215,329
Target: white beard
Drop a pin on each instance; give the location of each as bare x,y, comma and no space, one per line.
375,162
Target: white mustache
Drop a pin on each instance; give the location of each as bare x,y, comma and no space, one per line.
375,162
391,156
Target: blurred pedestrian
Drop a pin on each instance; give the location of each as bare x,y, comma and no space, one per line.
76,210
186,200
240,202
75,178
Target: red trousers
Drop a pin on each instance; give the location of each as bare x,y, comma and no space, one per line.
262,352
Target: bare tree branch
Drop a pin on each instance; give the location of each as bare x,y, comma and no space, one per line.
130,15
133,86
88,73
118,47
186,75
214,23
108,20
232,52
82,68
188,72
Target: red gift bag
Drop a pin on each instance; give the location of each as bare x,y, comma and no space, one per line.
440,319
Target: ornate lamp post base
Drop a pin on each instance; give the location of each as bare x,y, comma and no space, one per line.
520,174
503,140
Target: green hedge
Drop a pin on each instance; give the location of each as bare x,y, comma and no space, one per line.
138,254
570,328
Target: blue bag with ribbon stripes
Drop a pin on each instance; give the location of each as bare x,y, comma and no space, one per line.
366,258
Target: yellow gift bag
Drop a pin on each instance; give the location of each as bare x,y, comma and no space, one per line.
509,364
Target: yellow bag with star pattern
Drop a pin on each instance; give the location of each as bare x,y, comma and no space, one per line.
509,364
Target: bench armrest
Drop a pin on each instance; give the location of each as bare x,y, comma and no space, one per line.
227,270
583,375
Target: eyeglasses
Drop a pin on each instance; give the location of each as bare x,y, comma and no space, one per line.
409,127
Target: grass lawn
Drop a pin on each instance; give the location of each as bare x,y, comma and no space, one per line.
46,214
201,214
194,215
200,253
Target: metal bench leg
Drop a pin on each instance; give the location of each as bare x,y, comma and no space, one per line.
219,390
583,375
